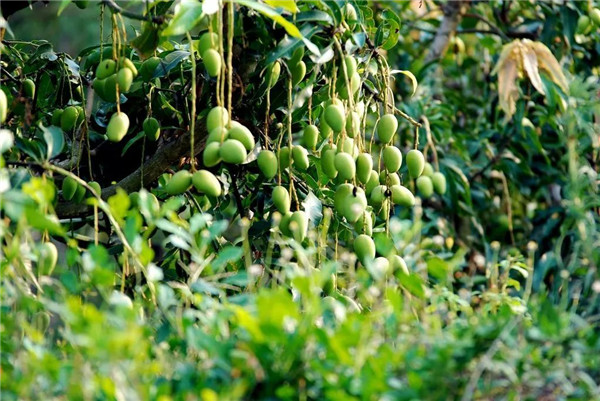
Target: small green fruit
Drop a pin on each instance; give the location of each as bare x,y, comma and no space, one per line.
355,205
219,134
342,193
425,186
364,248
56,114
151,128
106,68
402,196
69,118
148,68
179,183
387,127
378,195
351,64
273,74
310,136
328,161
284,224
81,4
298,225
110,88
233,152
595,16
342,87
398,264
373,181
124,79
69,187
96,187
300,157
324,128
242,134
388,178
428,170
298,72
3,106
48,258
98,85
208,40
117,126
345,166
80,115
364,166
349,146
392,158
281,199
439,182
297,55
29,88
217,117
267,163
212,154
205,182
415,161
284,157
334,115
212,62
353,124
583,23
124,62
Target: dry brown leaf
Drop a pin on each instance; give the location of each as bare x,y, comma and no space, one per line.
508,90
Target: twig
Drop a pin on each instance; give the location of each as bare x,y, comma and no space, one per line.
158,19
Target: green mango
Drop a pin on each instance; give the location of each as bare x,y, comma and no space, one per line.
281,199
298,72
179,183
335,117
117,127
310,136
208,40
233,152
415,161
425,186
124,79
364,248
345,166
205,182
267,163
402,196
48,257
217,117
212,154
241,133
3,106
392,158
29,88
148,68
387,127
298,225
364,166
69,118
106,68
439,182
151,128
300,157
69,187
212,62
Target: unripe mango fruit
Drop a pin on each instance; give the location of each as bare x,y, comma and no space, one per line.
353,124
267,163
300,157
364,225
351,64
389,179
364,248
48,256
212,154
281,199
212,62
378,195
3,106
241,133
397,263
342,192
415,161
439,182
29,88
110,88
273,74
69,187
344,91
233,152
402,196
205,182
298,71
117,126
425,186
56,114
106,68
148,68
151,128
217,117
310,136
69,118
284,157
345,166
428,170
124,62
595,16
208,40
335,118
124,79
373,181
364,166
386,127
328,161
355,205
392,158
219,134
179,182
298,225
79,194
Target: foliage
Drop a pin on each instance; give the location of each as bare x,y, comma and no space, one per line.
139,265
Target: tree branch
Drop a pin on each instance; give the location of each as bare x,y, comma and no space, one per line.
158,19
149,172
453,12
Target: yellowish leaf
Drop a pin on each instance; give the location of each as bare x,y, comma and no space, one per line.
288,5
410,75
508,90
548,63
530,64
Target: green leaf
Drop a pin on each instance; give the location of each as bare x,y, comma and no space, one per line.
132,141
55,140
147,42
438,268
43,222
412,283
287,5
187,15
270,12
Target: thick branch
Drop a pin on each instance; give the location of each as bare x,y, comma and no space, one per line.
166,156
453,12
